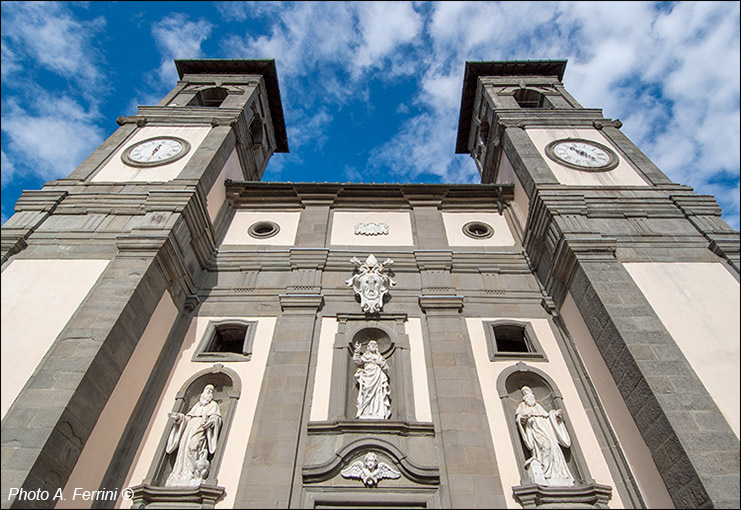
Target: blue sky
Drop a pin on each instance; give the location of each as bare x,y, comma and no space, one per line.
371,90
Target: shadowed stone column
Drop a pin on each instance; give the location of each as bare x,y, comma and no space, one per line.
269,466
693,446
46,428
469,459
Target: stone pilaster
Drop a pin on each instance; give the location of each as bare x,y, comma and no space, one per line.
270,467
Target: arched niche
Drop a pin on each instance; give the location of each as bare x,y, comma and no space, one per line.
393,343
227,390
547,394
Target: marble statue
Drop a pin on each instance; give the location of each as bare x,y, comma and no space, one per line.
369,470
195,436
544,433
374,396
370,283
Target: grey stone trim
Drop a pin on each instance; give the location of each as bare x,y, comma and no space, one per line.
633,154
146,405
278,436
425,475
87,168
527,162
466,456
92,350
203,352
382,196
32,209
389,498
203,496
536,352
446,304
593,495
622,474
644,360
301,303
396,427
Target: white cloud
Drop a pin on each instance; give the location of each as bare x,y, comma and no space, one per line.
7,168
384,27
49,33
178,37
49,144
670,72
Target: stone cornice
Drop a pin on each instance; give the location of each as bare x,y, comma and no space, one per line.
301,303
441,303
374,196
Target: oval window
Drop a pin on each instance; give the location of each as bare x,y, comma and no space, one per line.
263,229
478,230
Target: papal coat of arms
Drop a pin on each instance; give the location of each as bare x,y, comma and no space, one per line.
370,283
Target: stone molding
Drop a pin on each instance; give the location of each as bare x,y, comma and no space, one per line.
150,496
425,475
301,303
593,495
441,303
396,427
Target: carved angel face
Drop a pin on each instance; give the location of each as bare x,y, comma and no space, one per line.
371,461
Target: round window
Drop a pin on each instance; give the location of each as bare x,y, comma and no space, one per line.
263,229
478,230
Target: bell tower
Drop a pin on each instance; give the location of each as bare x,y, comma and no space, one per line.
108,259
628,261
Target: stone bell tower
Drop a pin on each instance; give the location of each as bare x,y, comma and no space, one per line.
99,261
642,271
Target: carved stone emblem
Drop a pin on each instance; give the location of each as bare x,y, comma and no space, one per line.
369,470
371,229
370,283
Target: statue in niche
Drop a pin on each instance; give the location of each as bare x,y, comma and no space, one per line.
194,435
543,433
374,396
370,470
371,284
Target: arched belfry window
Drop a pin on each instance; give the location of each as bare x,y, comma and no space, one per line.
179,473
484,131
211,97
528,98
256,131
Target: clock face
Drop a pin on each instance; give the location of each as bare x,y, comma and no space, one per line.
155,151
582,154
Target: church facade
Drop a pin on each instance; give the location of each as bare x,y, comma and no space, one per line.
177,333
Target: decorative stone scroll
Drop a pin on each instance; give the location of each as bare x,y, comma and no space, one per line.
370,284
371,229
370,471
